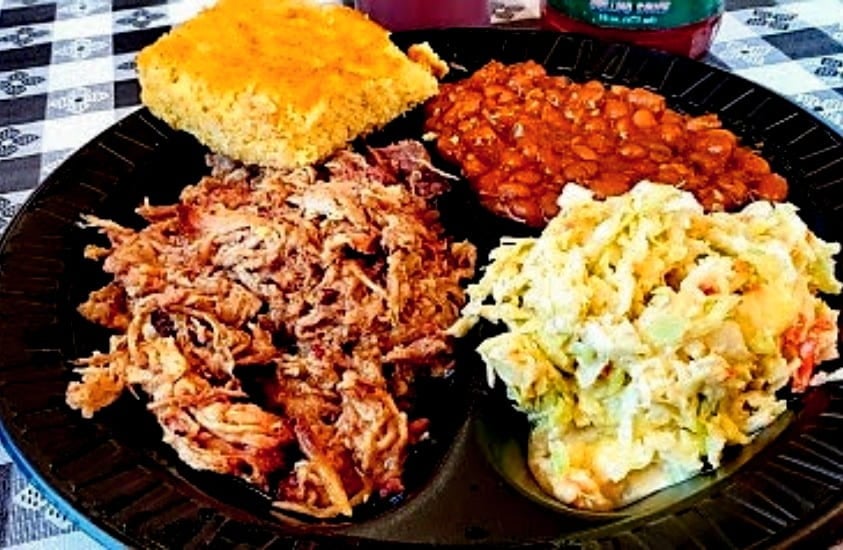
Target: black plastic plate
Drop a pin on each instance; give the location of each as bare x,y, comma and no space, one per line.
469,485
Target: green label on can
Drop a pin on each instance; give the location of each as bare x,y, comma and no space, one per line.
638,14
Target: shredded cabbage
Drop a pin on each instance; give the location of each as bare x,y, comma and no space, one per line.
644,335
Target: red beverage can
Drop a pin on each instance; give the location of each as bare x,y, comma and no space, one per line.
399,15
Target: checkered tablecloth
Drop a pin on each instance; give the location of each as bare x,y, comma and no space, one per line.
67,72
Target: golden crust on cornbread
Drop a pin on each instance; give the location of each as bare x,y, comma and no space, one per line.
280,83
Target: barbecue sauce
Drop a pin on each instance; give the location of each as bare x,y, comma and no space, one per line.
684,27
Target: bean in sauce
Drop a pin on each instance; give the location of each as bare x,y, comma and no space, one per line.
520,135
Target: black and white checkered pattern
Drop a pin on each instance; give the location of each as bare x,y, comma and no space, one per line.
794,48
67,72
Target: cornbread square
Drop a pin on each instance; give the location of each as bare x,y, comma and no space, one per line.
280,83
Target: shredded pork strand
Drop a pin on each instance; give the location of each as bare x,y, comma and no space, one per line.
331,288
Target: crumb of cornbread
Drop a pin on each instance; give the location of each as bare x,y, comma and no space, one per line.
279,83
424,55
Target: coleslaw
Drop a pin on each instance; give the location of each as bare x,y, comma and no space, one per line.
644,335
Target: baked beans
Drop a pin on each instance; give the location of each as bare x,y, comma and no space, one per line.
520,135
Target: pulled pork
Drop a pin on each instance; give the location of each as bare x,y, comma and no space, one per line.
329,289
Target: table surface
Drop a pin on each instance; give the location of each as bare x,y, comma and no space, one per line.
67,72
